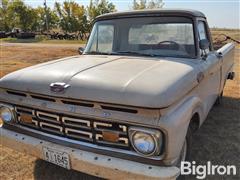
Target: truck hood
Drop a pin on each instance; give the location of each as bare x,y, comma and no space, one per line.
134,81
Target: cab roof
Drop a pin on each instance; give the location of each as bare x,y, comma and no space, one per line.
152,12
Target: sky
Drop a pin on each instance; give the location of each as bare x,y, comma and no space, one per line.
220,13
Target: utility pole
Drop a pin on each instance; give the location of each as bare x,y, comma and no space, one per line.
46,13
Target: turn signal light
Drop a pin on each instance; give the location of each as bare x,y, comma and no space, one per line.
110,136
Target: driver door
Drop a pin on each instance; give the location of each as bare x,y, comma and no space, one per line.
210,67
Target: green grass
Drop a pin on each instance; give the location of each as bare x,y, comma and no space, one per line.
63,41
15,40
39,40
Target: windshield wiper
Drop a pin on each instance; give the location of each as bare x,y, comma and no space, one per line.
133,53
98,53
117,53
151,55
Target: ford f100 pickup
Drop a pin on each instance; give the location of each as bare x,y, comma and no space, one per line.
128,105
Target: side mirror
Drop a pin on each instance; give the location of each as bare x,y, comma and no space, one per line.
204,44
80,50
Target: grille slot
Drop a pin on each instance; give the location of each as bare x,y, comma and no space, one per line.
16,93
42,98
134,111
78,128
77,103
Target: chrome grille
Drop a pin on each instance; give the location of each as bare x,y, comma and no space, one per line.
79,128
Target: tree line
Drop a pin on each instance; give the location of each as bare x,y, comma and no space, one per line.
68,17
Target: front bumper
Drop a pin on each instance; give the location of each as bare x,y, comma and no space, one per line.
90,163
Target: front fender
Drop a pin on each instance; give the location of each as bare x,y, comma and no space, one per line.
175,122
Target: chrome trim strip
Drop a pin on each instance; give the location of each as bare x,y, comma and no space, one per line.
64,119
39,113
35,122
96,124
51,125
124,128
124,139
79,132
33,112
113,131
98,136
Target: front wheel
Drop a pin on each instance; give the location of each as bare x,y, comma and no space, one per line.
186,149
219,99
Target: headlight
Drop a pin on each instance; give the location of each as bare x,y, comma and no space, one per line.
7,114
145,141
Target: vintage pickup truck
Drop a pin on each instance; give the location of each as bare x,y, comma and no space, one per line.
126,107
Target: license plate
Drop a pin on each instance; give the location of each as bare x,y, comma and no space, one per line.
56,157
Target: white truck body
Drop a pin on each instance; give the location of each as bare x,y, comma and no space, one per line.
70,105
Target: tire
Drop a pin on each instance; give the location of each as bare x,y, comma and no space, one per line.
186,149
219,99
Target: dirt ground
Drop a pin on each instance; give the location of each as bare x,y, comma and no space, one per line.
16,56
217,141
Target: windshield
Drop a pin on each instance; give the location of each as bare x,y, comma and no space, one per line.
144,36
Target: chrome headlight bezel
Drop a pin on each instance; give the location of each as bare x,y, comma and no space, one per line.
11,111
156,135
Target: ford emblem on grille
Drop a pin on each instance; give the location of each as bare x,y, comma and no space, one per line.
59,87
